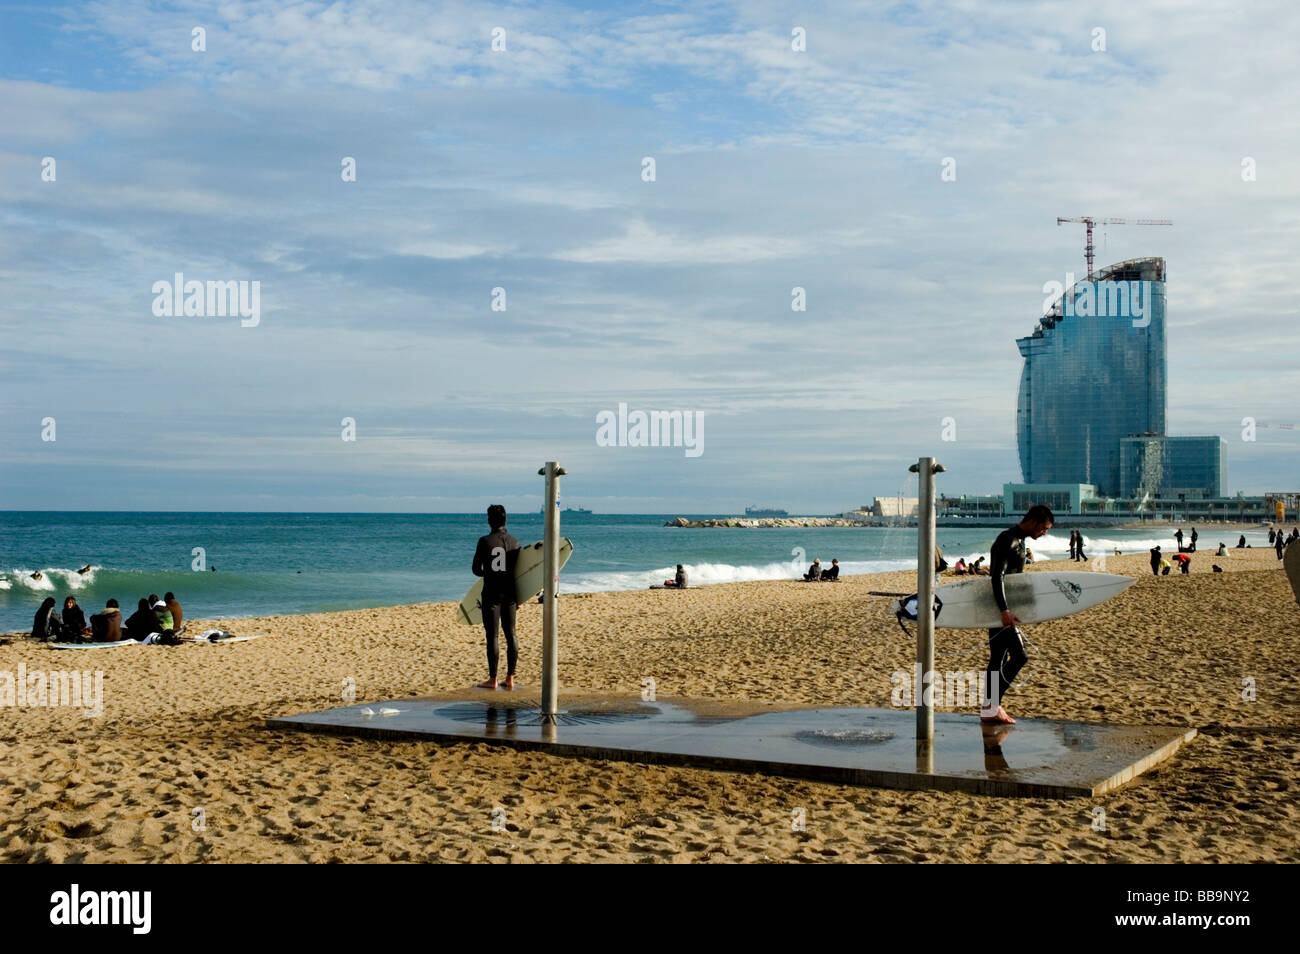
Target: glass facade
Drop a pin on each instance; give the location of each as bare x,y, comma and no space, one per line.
1153,467
1094,374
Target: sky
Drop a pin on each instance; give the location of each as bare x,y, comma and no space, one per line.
517,177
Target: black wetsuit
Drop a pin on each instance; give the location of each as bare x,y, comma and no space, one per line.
494,560
1006,646
74,621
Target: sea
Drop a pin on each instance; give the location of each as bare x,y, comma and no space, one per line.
228,565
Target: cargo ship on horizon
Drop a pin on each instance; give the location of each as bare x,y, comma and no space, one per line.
765,512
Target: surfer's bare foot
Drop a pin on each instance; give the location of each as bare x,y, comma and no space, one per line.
509,683
1001,718
487,684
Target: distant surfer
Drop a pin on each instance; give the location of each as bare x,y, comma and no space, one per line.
85,569
494,560
1006,646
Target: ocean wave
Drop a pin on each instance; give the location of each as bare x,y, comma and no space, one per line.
699,574
52,579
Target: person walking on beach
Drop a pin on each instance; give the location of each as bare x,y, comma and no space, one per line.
1155,560
1006,646
1270,536
1194,535
1279,544
1178,535
1078,547
494,560
1074,535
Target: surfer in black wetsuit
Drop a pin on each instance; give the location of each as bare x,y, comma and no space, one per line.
1006,646
494,560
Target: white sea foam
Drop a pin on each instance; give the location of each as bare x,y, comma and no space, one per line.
52,579
699,574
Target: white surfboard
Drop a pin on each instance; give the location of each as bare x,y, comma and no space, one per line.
1291,562
1033,597
113,645
530,574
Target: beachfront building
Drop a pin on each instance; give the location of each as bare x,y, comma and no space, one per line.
1064,499
970,505
1094,373
1158,467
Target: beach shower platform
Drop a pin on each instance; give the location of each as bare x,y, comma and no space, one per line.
849,746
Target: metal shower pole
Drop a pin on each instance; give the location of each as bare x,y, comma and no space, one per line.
550,612
925,469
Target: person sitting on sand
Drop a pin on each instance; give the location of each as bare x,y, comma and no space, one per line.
166,623
74,620
495,558
106,625
142,622
678,582
978,568
1222,551
959,568
833,574
815,571
1241,542
178,615
47,625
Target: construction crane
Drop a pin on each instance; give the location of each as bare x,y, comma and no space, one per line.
1090,221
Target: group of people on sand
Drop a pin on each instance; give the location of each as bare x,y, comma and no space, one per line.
974,568
1160,566
1279,539
816,574
155,620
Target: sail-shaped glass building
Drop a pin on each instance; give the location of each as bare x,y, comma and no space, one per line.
1094,374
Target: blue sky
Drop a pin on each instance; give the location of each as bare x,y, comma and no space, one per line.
522,170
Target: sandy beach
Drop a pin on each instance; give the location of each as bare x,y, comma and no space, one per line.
180,767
